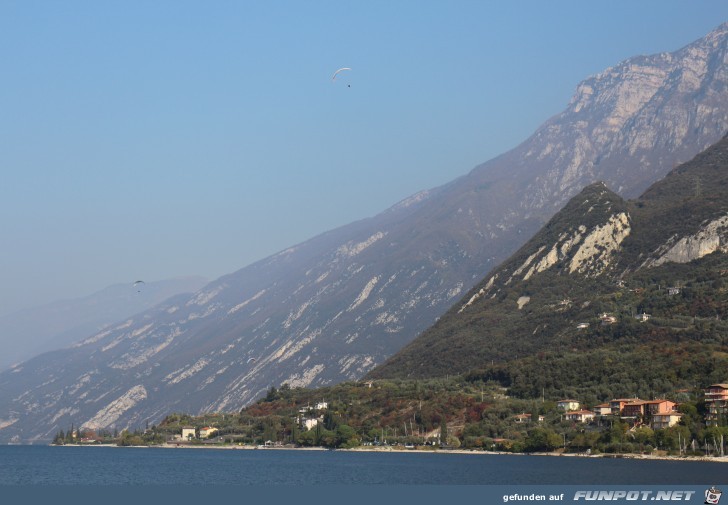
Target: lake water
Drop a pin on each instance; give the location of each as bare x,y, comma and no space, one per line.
103,466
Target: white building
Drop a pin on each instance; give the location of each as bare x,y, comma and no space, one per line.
568,404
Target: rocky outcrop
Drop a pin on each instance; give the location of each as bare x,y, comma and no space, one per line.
712,237
599,254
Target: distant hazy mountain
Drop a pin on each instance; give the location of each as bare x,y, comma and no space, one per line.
332,308
29,332
664,254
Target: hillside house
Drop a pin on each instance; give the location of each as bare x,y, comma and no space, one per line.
526,418
716,403
188,433
207,431
642,317
673,291
647,408
616,405
311,423
602,409
580,416
607,319
665,420
318,406
568,404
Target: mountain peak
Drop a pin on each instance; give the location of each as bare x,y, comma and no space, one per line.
581,239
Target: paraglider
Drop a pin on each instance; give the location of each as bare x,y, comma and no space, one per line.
137,284
333,78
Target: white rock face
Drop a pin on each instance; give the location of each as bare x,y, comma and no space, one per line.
350,250
522,301
181,375
595,253
108,415
304,379
364,293
627,111
712,237
4,423
588,252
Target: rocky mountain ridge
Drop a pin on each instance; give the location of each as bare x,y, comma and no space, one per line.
333,307
591,253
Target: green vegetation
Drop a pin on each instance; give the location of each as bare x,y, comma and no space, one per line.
684,343
454,412
521,323
83,436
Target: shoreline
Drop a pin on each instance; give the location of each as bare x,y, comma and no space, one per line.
389,449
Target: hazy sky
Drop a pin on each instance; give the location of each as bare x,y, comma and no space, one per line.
155,139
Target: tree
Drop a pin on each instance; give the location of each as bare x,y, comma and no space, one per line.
346,436
542,439
272,395
307,438
644,435
294,432
715,436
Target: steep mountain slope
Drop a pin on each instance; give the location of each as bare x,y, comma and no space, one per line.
334,307
29,332
577,285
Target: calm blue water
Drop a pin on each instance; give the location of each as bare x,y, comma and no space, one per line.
44,465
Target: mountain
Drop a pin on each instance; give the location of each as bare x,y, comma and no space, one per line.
609,294
29,332
332,308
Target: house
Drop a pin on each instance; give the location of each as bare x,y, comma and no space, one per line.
665,420
188,433
522,418
582,326
647,408
526,418
673,291
602,409
580,416
207,431
618,404
322,406
633,409
654,407
607,319
568,404
716,403
311,423
642,317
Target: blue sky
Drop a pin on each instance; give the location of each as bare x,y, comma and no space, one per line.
161,139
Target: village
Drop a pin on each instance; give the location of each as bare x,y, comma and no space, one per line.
623,425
